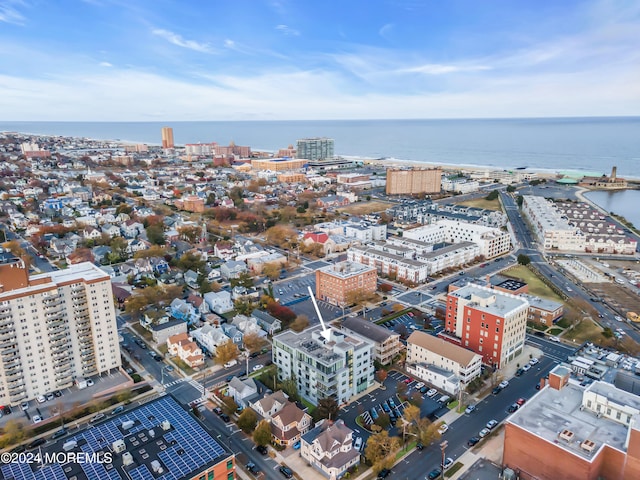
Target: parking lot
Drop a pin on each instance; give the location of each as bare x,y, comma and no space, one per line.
68,399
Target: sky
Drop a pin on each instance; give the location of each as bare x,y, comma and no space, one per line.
180,60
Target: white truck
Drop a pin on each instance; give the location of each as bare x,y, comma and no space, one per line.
231,363
81,383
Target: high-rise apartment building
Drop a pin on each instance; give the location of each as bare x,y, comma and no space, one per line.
489,322
337,283
413,181
167,137
340,366
54,328
315,148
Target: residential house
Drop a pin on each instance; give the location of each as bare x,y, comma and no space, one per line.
159,264
219,302
224,250
182,346
248,325
257,264
267,406
386,343
242,390
329,448
131,228
191,279
232,269
332,201
267,322
198,303
111,230
91,233
209,337
143,265
136,245
233,333
289,424
161,332
183,310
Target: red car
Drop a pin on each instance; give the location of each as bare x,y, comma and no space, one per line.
408,381
521,401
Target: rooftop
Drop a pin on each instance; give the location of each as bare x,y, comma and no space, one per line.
368,330
181,447
490,301
346,269
441,347
551,412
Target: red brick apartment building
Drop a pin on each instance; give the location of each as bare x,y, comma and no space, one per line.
571,432
492,323
334,283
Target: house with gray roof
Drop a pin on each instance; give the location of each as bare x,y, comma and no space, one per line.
232,269
329,448
243,390
268,323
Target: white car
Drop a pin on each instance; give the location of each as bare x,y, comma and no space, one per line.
41,399
618,318
554,339
534,361
36,419
358,443
447,463
443,428
526,367
419,385
257,367
484,432
432,393
25,406
504,384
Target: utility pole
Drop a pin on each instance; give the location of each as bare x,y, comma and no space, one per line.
443,447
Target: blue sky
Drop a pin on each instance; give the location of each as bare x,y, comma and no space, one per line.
147,60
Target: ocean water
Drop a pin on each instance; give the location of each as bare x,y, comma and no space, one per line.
551,144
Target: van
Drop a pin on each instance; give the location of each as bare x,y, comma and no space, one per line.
231,363
70,445
444,399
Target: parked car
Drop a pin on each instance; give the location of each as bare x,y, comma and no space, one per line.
473,441
262,450
50,396
432,393
358,443
286,471
36,443
504,384
97,417
534,361
384,473
443,428
59,433
521,401
513,407
217,411
435,473
296,446
420,446
491,424
470,409
225,418
89,382
447,462
424,389
36,419
484,432
41,399
252,467
257,367
496,390
392,404
554,338
24,406
117,410
419,385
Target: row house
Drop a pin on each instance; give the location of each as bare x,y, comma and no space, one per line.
389,264
185,349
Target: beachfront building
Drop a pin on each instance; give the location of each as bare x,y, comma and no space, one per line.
574,432
314,149
340,366
167,137
338,283
489,322
492,242
413,181
55,327
277,164
553,231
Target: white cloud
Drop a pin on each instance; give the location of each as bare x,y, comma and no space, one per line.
438,69
105,64
229,43
9,13
386,29
287,30
176,39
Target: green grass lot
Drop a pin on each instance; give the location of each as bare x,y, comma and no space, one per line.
536,286
483,203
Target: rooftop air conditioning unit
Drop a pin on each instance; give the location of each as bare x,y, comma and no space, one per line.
156,467
128,424
588,445
567,435
127,459
118,446
166,425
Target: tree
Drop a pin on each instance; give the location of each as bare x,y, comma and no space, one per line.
280,234
247,420
281,312
229,405
290,387
300,323
13,432
190,233
520,200
524,259
383,420
327,408
381,449
385,287
271,271
152,251
158,295
401,389
262,433
358,297
14,247
244,306
226,352
191,261
381,375
511,188
119,247
493,195
155,234
244,280
253,342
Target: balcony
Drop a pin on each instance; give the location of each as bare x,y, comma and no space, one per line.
62,377
17,397
10,372
57,344
21,389
12,363
8,344
15,384
12,349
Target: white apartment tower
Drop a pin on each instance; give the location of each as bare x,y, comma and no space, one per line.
54,328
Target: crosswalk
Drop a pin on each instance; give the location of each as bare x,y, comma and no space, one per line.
203,398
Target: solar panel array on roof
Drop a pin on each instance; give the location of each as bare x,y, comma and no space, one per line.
181,450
